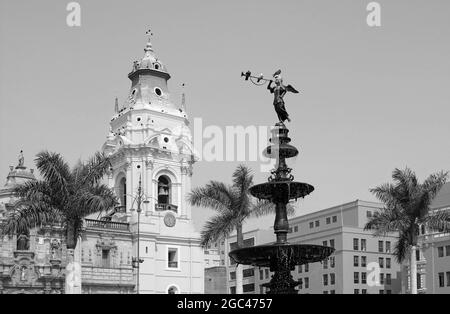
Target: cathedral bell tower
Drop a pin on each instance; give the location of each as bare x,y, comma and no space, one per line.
150,141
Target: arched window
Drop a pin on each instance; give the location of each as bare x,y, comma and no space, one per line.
123,193
164,190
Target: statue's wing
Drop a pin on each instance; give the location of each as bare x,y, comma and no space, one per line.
291,89
277,73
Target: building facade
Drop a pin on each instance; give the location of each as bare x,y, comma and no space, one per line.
148,244
432,254
252,279
150,146
30,263
361,263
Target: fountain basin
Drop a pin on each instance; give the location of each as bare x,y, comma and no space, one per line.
285,190
266,255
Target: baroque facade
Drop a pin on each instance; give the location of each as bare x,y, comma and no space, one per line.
148,244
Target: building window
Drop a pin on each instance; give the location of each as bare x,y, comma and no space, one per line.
448,278
232,290
382,279
363,277
388,247
369,214
267,273
355,244
164,190
173,258
388,263
295,228
324,243
441,251
356,291
388,279
306,267
325,292
123,193
300,283
332,261
363,261
261,274
381,292
380,247
311,224
248,287
158,91
332,279
417,255
250,272
363,245
388,291
447,250
332,243
381,262
306,283
332,292
355,261
441,280
233,275
317,223
328,220
325,263
300,269
105,259
356,277
364,291
325,280
334,218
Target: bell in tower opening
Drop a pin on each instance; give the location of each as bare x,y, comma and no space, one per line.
163,190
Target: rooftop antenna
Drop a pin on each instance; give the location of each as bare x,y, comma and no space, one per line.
183,97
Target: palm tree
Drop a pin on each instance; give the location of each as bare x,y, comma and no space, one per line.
233,205
407,208
64,197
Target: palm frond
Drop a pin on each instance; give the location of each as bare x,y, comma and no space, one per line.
438,221
386,193
55,170
402,248
29,216
218,227
242,178
94,169
214,195
387,221
92,200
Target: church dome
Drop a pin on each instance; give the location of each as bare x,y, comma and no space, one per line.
19,175
150,61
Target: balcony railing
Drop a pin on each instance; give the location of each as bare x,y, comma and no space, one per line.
163,207
103,224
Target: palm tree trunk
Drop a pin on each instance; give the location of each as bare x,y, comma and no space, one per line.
240,244
73,268
413,271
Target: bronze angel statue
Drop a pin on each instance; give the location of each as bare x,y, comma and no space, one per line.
279,90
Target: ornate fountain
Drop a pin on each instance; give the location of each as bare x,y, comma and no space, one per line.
281,256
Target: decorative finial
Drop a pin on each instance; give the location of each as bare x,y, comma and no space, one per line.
21,160
116,105
149,47
183,97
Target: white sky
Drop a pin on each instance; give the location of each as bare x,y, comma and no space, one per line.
371,99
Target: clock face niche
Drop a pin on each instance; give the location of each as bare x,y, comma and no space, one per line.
169,220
